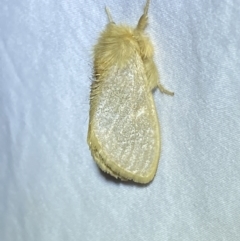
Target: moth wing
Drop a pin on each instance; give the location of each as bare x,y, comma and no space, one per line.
124,130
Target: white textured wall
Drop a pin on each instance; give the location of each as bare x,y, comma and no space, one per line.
50,187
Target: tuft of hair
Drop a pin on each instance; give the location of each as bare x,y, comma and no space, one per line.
117,43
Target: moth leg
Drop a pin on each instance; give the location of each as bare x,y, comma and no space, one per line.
153,77
164,90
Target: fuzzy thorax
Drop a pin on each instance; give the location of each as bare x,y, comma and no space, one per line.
117,44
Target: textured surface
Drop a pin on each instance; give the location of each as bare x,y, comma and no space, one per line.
50,187
125,121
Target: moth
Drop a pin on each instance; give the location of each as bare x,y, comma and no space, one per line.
124,132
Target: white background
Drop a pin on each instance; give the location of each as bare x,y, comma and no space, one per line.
50,187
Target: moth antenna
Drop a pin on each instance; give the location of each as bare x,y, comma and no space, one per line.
143,21
110,19
146,8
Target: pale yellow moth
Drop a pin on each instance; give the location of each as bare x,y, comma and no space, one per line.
123,134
